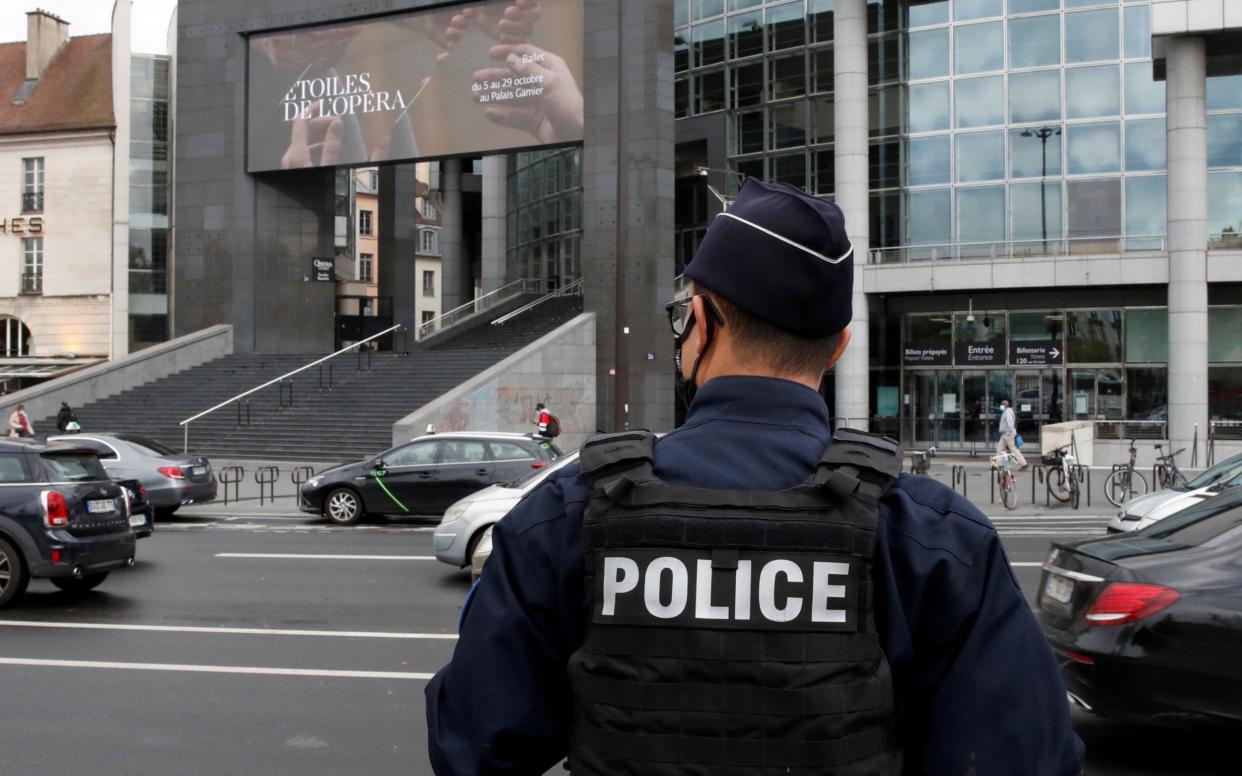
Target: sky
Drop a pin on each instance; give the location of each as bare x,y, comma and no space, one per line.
87,17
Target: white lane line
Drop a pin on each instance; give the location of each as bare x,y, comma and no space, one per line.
201,669
1026,564
302,556
230,631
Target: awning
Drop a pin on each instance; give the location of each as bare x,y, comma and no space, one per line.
43,368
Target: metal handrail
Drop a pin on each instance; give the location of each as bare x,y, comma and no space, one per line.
573,289
485,302
1017,249
185,424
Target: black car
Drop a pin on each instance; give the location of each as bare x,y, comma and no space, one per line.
425,476
60,518
1148,625
141,512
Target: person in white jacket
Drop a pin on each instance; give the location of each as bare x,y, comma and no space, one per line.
19,423
1008,435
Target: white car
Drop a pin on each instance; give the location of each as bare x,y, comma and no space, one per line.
1143,511
463,526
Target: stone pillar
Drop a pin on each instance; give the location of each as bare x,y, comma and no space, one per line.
1187,201
398,242
458,282
627,204
495,221
853,195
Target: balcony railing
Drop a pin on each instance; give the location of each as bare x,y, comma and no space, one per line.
32,282
1021,249
32,202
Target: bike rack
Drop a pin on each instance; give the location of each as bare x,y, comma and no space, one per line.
266,477
243,416
1083,474
1037,473
281,386
299,475
232,476
958,474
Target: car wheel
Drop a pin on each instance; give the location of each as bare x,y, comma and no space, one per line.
473,544
74,585
342,507
13,574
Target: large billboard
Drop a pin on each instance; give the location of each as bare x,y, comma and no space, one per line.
463,79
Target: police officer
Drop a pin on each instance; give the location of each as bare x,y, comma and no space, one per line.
751,594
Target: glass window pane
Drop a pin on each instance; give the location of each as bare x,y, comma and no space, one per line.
1035,96
978,47
928,217
1035,211
787,125
1146,214
705,9
822,118
1138,32
1225,209
928,54
884,107
1092,91
1091,36
980,156
1027,6
748,85
883,15
1094,208
981,216
681,12
681,50
1144,94
742,5
1094,148
791,169
709,92
709,44
788,76
1145,142
1224,92
820,13
977,9
927,160
748,132
980,101
1035,41
1147,391
929,13
825,171
1225,141
883,60
1094,336
1224,398
786,26
1223,343
681,98
1035,152
746,34
822,70
928,107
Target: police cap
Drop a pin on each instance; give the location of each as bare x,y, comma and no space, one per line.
781,255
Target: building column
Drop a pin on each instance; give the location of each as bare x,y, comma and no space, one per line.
398,242
1187,202
495,221
458,282
853,196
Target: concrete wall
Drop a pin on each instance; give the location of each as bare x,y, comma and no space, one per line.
104,380
558,369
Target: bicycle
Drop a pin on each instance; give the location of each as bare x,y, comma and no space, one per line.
1166,474
1004,478
920,460
1125,483
1062,484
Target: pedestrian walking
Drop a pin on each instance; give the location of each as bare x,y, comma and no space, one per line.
761,595
66,420
548,425
1009,435
19,423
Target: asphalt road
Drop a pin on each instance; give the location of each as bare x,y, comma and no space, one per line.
206,659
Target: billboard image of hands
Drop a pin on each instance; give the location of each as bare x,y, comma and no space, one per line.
475,78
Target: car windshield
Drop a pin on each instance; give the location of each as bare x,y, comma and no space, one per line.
1222,472
76,467
148,446
1194,527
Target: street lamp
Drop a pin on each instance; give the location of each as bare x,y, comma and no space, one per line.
1043,133
705,171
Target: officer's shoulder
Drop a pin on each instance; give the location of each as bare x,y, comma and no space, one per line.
558,497
935,517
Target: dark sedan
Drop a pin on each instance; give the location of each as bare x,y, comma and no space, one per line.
1148,626
424,476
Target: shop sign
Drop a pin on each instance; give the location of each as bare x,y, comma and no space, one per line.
925,355
322,270
21,226
1036,353
980,354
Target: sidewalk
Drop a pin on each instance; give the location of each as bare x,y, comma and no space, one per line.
982,489
245,499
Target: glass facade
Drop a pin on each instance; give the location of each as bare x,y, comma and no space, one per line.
148,201
545,216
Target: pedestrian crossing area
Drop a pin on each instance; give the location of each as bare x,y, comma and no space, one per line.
1068,526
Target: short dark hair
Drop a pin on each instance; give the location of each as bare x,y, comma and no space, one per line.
758,341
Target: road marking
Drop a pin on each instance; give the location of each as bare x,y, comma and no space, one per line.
314,556
201,669
230,631
1026,564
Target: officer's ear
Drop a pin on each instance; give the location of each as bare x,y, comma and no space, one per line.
842,344
699,333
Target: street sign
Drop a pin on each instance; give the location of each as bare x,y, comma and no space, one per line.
925,355
322,270
1036,353
980,354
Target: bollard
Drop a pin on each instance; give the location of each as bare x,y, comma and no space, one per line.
299,475
232,476
266,477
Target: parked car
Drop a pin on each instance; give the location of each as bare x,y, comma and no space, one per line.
172,479
423,476
1141,512
61,517
141,515
480,555
1148,625
465,523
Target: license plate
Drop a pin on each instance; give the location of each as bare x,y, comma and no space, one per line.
100,506
198,471
1059,589
138,520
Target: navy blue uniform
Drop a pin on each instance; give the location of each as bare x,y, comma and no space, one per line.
979,689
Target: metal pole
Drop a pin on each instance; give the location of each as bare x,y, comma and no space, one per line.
1043,183
621,392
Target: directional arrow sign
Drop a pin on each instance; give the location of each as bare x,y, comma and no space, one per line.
1035,353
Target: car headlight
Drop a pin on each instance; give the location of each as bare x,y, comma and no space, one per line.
314,482
454,512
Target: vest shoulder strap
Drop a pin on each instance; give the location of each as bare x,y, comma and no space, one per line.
859,463
608,459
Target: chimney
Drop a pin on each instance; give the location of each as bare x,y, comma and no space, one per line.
46,33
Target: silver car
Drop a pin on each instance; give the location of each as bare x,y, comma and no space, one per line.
171,479
463,526
1141,512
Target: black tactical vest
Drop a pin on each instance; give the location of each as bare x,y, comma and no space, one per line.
732,632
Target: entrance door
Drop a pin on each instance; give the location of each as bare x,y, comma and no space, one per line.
950,400
1028,403
974,407
920,408
1082,394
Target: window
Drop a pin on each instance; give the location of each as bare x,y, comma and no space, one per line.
1146,206
980,101
1030,218
32,265
1094,148
928,109
417,454
1147,336
1035,41
1092,36
427,242
75,467
102,450
463,451
1094,336
11,469
429,282
365,271
1092,91
507,451
1094,208
427,317
980,156
978,48
16,337
927,160
928,54
1035,96
1034,152
32,185
1145,144
364,222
